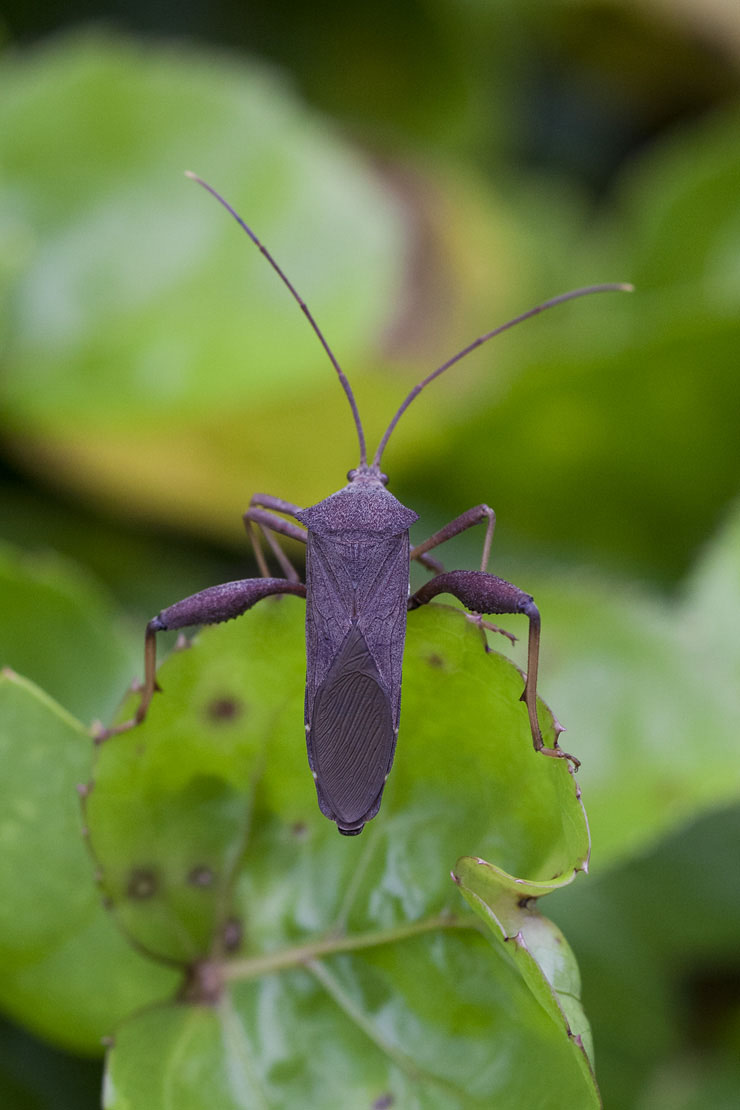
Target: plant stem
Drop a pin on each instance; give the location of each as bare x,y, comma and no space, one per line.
253,966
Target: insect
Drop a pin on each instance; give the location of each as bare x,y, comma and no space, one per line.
357,595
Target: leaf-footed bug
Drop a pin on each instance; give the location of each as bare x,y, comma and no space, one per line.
357,597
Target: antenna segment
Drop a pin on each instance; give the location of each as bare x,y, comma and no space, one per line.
571,296
304,308
574,293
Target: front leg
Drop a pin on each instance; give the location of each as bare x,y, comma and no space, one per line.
262,512
211,606
485,593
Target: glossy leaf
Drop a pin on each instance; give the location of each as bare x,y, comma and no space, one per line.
434,1023
65,971
230,724
366,935
535,945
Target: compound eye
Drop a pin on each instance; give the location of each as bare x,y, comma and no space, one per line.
351,475
384,479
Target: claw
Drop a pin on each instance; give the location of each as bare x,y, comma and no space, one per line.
558,753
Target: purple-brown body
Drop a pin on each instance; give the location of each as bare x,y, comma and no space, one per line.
357,598
357,586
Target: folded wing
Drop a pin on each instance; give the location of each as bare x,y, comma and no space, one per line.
351,738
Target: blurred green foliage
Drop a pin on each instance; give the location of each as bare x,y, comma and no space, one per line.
422,172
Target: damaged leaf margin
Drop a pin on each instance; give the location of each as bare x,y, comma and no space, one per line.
536,946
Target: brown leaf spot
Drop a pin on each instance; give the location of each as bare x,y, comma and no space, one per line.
143,883
201,875
225,709
231,934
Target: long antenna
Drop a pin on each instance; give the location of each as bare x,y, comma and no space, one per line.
304,308
574,293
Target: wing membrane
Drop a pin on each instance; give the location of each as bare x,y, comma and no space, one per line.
351,738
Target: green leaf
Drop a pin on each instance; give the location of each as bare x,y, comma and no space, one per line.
435,1022
45,752
65,972
534,944
657,945
339,968
59,630
228,727
648,690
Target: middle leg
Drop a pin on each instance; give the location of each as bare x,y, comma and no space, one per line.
460,524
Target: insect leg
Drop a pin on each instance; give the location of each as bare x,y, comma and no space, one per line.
277,504
211,606
485,593
267,523
460,524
